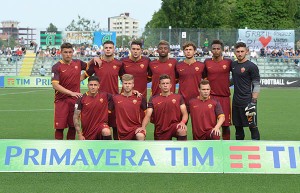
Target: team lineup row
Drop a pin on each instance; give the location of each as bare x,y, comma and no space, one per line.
203,92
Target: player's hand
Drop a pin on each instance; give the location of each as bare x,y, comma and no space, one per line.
181,126
137,93
81,137
250,110
97,61
76,94
216,131
140,130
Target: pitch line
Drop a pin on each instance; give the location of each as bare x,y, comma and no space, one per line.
4,94
25,110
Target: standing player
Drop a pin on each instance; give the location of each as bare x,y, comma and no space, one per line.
169,113
108,72
162,65
206,114
190,73
217,71
66,83
246,79
129,111
92,110
138,66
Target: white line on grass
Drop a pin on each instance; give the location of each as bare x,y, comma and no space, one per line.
21,92
26,110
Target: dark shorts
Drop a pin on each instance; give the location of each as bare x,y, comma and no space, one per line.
168,134
206,135
96,134
225,104
239,118
63,113
112,119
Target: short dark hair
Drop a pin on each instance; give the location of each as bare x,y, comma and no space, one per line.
66,45
136,42
217,42
164,76
203,82
93,78
239,45
109,42
187,44
164,42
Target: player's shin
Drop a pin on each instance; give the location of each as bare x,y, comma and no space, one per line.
71,133
226,132
59,134
239,133
254,133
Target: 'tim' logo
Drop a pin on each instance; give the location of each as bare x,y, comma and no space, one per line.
11,81
236,155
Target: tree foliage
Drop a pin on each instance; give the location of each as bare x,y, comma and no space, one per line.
51,28
83,24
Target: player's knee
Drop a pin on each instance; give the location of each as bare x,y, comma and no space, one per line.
140,136
213,136
181,132
106,132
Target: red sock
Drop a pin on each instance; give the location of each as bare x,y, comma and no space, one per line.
226,133
71,133
59,134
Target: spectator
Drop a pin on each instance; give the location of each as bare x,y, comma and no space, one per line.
42,71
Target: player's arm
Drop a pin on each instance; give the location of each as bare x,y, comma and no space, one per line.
145,120
76,120
182,124
220,121
56,86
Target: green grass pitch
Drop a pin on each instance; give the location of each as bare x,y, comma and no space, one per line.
27,113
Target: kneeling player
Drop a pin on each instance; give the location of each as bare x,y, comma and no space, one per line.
92,109
206,114
167,109
129,111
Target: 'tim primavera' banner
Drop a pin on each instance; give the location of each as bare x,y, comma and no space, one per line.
273,39
150,156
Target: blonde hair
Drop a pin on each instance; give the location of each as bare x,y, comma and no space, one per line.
127,77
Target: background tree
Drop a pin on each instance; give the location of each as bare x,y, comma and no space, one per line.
83,24
51,28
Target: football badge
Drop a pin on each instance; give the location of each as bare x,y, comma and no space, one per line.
174,101
224,67
114,67
170,65
142,65
243,70
209,106
134,101
197,69
101,100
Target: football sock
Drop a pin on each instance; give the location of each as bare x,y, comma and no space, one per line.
226,132
59,134
239,133
71,133
254,133
182,138
108,137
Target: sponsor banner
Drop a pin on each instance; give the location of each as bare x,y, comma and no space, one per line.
79,37
28,81
102,36
280,82
1,81
150,156
51,39
273,39
110,156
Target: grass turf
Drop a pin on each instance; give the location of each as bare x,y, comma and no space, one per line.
27,113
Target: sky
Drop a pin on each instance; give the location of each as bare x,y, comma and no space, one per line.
39,14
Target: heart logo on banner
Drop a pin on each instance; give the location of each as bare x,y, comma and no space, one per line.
265,41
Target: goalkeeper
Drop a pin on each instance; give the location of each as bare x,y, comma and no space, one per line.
246,80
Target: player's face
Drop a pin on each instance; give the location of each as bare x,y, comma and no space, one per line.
204,91
67,54
109,50
163,50
128,85
216,50
241,53
136,51
165,85
93,87
189,52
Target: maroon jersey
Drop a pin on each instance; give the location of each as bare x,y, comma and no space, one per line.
68,76
166,111
129,113
139,69
158,68
108,74
189,79
218,75
204,115
94,111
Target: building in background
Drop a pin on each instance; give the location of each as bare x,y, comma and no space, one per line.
123,25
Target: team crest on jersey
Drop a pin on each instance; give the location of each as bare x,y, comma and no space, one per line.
101,100
76,67
142,65
243,70
114,67
197,69
134,101
170,65
209,106
224,67
174,101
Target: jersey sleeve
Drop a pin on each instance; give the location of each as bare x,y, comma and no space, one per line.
78,104
255,74
150,103
90,71
55,73
143,104
83,65
218,110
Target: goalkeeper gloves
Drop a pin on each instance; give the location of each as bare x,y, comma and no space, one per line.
250,110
